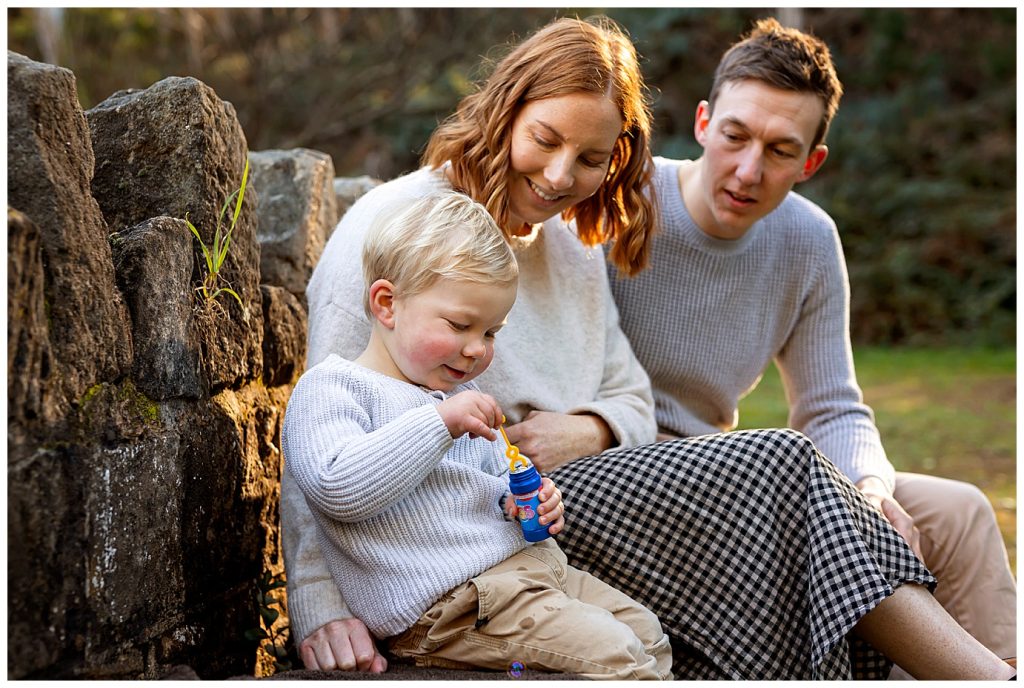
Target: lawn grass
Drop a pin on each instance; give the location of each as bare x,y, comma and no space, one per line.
945,412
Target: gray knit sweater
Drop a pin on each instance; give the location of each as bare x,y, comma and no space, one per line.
710,315
403,512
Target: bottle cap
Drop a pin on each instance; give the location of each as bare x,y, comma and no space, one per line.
524,480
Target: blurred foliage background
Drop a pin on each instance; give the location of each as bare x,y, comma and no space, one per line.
921,178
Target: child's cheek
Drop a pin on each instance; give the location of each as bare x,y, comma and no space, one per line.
431,352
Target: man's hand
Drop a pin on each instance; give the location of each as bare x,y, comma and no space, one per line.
344,644
553,439
470,411
876,492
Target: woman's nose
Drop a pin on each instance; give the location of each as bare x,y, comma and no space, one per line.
558,172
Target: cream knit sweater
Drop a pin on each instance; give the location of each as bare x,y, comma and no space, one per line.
562,351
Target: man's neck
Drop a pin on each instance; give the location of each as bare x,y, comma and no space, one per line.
691,188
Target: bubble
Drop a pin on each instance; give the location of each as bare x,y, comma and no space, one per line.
516,670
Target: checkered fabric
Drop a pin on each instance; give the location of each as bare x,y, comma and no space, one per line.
755,552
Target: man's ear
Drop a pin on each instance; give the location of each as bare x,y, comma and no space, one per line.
382,302
815,159
700,122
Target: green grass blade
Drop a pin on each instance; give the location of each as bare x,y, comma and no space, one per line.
224,208
193,228
206,251
241,192
222,256
232,292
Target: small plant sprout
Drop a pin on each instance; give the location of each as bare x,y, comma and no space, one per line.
273,638
217,252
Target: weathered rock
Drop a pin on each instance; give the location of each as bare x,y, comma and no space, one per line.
284,336
179,527
296,214
143,494
30,403
49,167
347,191
45,562
180,672
174,149
154,262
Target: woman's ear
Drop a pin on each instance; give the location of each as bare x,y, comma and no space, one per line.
382,302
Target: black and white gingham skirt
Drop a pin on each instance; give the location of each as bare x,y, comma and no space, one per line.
755,552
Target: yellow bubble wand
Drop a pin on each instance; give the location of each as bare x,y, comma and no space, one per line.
513,451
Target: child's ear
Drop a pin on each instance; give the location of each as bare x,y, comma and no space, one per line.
382,302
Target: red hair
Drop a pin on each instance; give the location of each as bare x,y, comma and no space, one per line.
567,56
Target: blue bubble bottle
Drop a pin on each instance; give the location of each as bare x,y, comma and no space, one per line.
524,484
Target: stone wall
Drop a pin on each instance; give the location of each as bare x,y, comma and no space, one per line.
144,424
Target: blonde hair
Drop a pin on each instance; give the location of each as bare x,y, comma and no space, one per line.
567,56
444,235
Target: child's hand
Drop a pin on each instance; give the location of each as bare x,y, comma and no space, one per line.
472,412
551,508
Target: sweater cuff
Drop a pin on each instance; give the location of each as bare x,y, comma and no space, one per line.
313,605
631,429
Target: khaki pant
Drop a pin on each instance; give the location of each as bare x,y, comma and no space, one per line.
962,546
535,609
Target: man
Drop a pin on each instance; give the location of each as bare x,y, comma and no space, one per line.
744,272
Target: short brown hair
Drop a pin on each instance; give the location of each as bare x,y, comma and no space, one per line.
566,56
785,58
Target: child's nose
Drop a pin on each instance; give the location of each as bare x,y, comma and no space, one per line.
475,348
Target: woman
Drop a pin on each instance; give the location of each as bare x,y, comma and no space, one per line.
746,567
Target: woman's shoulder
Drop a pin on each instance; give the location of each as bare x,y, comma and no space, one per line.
410,185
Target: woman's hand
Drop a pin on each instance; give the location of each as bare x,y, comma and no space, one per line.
553,439
344,644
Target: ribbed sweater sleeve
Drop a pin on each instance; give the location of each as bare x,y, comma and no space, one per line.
817,371
710,316
347,467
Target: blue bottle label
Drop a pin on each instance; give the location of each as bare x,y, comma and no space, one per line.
529,517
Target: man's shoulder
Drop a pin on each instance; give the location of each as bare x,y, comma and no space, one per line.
799,219
802,211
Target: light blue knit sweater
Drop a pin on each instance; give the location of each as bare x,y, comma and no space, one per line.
404,513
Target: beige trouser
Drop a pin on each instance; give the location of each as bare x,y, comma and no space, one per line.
963,548
535,609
